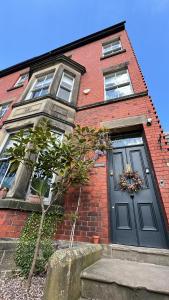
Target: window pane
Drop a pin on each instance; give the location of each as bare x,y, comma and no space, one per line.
67,82
43,81
107,48
66,86
40,79
3,109
35,185
63,94
125,90
49,76
38,85
36,94
112,47
47,81
44,91
111,94
117,78
8,145
8,180
127,142
3,168
116,46
122,77
23,78
110,80
68,79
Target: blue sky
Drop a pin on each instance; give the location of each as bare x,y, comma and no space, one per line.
31,27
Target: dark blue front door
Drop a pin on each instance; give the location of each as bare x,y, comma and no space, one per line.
135,220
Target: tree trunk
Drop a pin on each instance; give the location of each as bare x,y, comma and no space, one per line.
76,216
29,280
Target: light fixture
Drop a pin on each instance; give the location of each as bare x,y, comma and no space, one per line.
86,91
149,121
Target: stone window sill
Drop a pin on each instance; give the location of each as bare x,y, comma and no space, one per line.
15,87
24,102
16,204
113,54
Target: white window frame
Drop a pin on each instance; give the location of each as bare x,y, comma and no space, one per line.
6,109
71,76
119,85
111,44
47,200
28,96
20,80
8,137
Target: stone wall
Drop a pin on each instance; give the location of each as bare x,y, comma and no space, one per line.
7,256
65,266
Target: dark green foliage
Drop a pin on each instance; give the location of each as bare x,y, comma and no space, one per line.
69,161
26,247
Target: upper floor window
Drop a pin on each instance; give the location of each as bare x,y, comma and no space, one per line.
65,87
3,109
41,86
21,79
112,47
117,85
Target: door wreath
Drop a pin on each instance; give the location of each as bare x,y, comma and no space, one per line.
130,181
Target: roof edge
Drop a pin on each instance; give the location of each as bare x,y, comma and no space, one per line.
54,59
67,47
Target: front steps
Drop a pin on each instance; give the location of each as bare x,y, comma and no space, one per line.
140,254
127,273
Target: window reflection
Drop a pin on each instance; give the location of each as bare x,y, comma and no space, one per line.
127,142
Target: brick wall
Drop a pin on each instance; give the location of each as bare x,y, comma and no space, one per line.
13,95
11,223
95,197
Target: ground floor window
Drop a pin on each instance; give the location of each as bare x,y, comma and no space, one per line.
37,177
6,175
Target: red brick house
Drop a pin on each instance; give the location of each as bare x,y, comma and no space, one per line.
94,81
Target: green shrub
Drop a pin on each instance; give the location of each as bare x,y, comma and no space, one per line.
26,247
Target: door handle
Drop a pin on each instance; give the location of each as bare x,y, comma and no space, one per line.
147,171
111,173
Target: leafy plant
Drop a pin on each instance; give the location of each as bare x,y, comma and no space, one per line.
69,161
26,247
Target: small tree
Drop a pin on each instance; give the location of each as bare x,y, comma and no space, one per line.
69,161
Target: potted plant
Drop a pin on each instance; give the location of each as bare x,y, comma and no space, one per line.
96,239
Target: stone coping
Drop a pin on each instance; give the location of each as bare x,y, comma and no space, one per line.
64,269
17,204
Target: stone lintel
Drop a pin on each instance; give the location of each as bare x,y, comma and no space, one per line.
124,122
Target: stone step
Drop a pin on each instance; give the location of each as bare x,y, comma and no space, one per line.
125,280
139,254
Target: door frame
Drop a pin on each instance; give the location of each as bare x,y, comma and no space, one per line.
162,212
